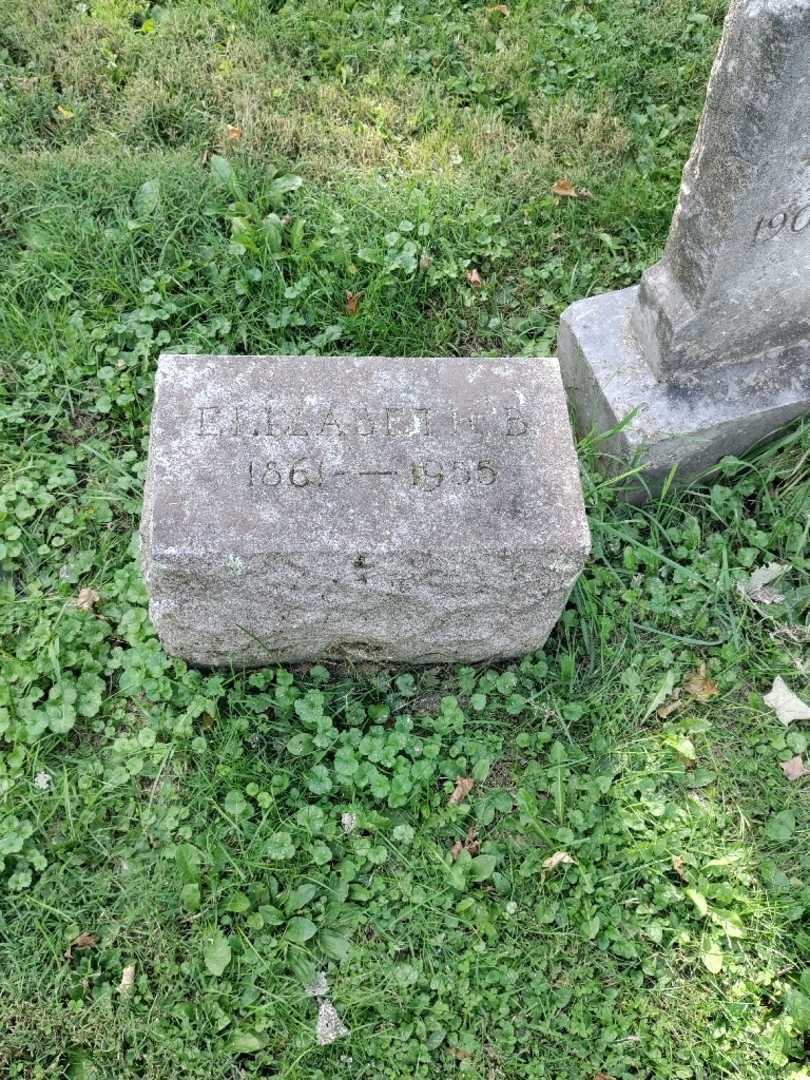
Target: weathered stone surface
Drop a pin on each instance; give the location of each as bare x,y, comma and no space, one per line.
734,282
714,347
398,510
690,425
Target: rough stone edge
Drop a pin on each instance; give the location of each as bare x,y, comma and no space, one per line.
251,656
152,566
606,377
147,508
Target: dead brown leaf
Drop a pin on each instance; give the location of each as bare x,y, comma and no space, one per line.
557,859
671,706
462,1055
566,190
699,686
87,599
471,843
678,867
127,979
501,9
474,278
233,132
83,941
602,1076
795,768
352,302
464,785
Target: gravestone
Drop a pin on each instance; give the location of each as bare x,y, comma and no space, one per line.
394,510
713,347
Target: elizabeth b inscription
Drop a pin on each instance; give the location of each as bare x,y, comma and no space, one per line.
396,510
315,433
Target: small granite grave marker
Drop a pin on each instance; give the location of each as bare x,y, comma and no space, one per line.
713,347
404,510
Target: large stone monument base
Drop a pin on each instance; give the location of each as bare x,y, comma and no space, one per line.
690,424
711,353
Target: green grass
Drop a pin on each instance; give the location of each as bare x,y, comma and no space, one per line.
191,822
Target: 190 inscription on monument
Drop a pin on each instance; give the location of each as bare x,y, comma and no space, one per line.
354,507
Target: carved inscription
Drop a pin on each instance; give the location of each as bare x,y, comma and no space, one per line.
300,474
395,432
329,423
786,222
429,474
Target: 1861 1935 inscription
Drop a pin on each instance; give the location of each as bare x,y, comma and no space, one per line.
389,509
394,434
426,473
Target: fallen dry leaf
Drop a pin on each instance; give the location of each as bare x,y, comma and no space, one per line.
464,786
800,635
787,705
699,686
462,1055
566,190
602,1076
766,596
557,859
233,132
83,941
474,278
669,707
795,768
352,302
329,1026
127,979
501,9
87,599
756,588
678,867
471,844
319,987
